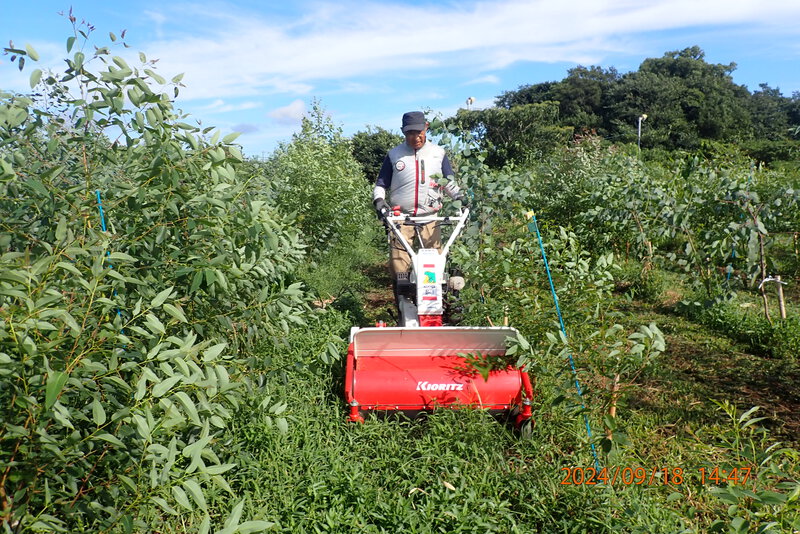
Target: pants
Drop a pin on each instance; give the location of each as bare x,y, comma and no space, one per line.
399,260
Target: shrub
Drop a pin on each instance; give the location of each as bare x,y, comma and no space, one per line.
120,349
316,179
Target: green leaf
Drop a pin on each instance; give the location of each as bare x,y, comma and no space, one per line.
196,281
282,425
164,505
98,413
62,415
230,138
212,353
771,497
120,62
188,406
36,77
181,498
165,385
196,492
55,383
154,325
159,299
32,53
159,79
739,524
254,526
236,515
219,469
111,439
175,312
674,496
70,43
120,256
68,267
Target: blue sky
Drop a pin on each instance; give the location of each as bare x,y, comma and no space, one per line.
255,66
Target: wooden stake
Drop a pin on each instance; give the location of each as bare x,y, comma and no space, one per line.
763,275
612,406
781,302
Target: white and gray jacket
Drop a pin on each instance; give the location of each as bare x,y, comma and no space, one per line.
406,175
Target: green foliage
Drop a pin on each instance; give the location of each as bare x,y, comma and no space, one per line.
769,502
370,148
687,100
740,320
582,97
122,351
316,179
518,136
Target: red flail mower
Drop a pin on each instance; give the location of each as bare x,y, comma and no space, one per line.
423,365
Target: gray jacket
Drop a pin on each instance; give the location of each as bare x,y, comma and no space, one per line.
406,175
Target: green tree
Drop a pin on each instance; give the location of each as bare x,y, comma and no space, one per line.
769,110
316,179
685,98
519,135
584,96
370,148
526,94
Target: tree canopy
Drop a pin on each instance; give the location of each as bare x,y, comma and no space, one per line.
684,99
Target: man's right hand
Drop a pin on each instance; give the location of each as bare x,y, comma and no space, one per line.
381,208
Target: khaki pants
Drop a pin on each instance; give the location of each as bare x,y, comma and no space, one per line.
399,260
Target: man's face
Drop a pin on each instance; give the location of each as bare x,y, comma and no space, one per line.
416,138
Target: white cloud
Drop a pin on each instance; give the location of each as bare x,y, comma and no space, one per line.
220,106
290,114
242,54
490,79
159,19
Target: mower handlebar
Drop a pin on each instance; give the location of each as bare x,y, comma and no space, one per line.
422,220
393,223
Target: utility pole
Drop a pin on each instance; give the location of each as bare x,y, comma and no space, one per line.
642,117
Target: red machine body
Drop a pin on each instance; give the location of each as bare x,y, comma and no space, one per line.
424,368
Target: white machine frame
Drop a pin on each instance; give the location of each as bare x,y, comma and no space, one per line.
427,268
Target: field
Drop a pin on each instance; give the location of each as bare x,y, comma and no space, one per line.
173,317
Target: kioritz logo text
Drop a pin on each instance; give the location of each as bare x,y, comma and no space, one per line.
432,386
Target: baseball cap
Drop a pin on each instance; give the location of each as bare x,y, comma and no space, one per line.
413,120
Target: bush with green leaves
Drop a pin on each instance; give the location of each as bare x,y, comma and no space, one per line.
316,179
768,500
370,148
122,350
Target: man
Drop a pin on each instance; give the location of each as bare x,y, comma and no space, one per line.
406,175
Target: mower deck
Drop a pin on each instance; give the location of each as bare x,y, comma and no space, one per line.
424,368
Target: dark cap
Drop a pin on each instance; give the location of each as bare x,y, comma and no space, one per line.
414,120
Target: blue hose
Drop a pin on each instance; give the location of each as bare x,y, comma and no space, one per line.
533,227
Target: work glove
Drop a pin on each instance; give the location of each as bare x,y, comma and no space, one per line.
381,208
